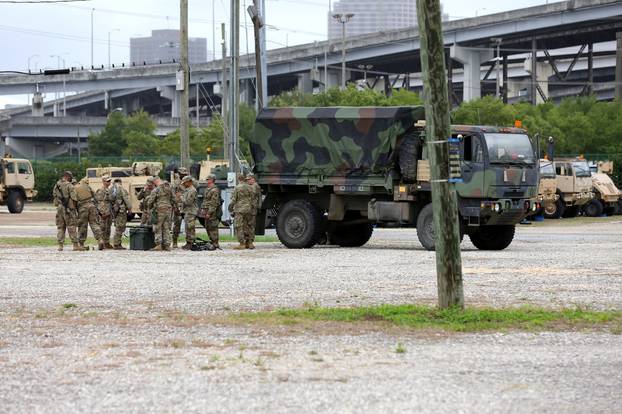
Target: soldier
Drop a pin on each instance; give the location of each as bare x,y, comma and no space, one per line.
87,213
104,207
162,202
189,210
143,196
121,207
212,205
178,190
241,207
65,201
257,205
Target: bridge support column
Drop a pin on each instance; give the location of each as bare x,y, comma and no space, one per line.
619,66
472,62
247,91
543,72
172,95
305,83
37,104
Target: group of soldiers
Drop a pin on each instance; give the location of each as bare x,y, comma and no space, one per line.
163,205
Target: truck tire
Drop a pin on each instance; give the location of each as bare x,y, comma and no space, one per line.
492,237
610,211
350,235
425,228
571,212
15,202
299,224
407,157
555,210
594,208
619,210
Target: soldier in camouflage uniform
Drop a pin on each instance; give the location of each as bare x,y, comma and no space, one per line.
162,202
143,196
87,214
178,190
104,207
257,204
213,209
241,207
189,210
121,206
65,201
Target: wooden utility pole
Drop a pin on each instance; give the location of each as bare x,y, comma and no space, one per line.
184,113
438,130
224,92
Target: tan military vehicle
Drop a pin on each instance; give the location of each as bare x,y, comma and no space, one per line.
574,187
607,197
547,188
133,178
17,183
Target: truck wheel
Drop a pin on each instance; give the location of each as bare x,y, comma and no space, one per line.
594,208
351,235
554,210
425,228
407,156
571,212
15,202
619,209
610,211
492,237
299,224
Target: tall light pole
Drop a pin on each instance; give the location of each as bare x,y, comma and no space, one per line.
498,40
343,19
30,57
184,122
92,12
58,60
112,31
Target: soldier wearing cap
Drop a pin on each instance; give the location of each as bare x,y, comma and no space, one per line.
143,196
121,208
178,190
250,178
189,210
87,213
162,203
105,200
65,201
241,207
212,209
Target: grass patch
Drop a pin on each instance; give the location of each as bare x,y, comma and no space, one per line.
456,320
400,348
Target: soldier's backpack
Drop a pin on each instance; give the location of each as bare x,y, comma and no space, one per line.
200,245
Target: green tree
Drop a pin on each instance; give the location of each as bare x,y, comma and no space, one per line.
110,140
351,96
485,111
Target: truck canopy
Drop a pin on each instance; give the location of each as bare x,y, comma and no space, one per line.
330,141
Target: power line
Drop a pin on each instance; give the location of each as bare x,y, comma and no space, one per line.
40,1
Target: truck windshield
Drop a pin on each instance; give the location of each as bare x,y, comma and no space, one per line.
509,149
547,169
581,169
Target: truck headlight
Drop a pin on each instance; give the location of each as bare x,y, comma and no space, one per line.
497,207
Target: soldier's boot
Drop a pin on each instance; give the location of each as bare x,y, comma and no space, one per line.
174,244
241,246
158,248
167,247
108,245
77,247
250,245
216,245
101,245
119,247
187,246
61,246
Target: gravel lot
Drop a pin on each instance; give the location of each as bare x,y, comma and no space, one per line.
121,349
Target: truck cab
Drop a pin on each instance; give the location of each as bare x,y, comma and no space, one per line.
574,186
547,188
17,183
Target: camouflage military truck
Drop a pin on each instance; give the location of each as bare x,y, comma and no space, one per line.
547,188
133,178
574,187
338,171
607,197
17,183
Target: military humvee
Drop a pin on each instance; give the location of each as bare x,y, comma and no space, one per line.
574,187
547,189
339,171
17,183
133,179
607,197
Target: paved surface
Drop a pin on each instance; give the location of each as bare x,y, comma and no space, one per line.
139,339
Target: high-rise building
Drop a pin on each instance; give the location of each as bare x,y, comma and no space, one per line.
163,45
372,16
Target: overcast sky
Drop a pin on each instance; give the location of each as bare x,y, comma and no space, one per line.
43,32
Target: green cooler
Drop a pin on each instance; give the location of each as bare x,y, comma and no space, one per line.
142,238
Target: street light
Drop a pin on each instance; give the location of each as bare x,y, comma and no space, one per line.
112,31
92,12
59,58
30,57
343,19
498,41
